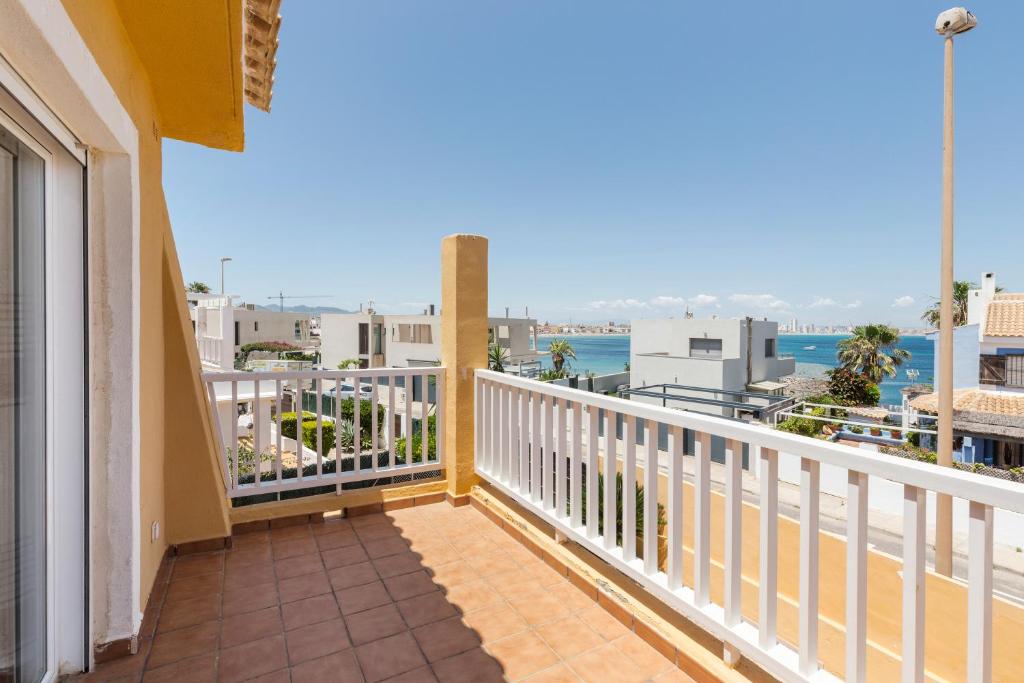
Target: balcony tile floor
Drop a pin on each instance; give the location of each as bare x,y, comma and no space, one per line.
431,593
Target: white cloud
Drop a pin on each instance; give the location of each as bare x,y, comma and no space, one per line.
667,301
703,300
853,304
823,302
903,301
761,301
617,305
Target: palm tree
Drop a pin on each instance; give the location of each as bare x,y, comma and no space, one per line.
872,351
198,287
961,288
560,349
348,363
496,357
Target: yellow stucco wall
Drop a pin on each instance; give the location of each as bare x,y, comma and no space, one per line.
180,482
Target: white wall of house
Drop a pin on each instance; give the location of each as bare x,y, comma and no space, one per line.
257,325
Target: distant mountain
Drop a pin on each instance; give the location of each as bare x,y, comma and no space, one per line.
302,308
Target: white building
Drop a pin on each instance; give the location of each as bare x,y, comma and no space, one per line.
988,378
729,355
222,328
382,340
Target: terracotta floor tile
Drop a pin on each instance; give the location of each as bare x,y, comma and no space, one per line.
648,661
384,547
360,598
375,532
340,667
246,541
194,587
544,574
559,673
199,669
316,640
424,609
453,573
539,608
443,639
421,675
338,539
604,624
475,666
674,676
409,585
294,547
514,583
279,676
473,595
374,624
249,574
252,659
388,657
249,599
604,665
405,562
491,563
345,556
572,596
183,643
331,525
569,636
522,654
244,628
201,563
437,554
305,586
496,622
360,521
292,532
129,667
188,612
309,611
297,566
352,575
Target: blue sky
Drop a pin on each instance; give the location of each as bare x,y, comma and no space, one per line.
625,159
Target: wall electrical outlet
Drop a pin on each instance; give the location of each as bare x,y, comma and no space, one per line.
154,532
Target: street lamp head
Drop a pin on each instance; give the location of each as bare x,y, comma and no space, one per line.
953,21
225,258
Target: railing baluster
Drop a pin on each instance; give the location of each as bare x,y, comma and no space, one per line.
407,423
233,413
914,502
560,460
524,441
256,441
299,414
535,447
424,419
592,472
278,391
576,468
393,434
650,497
979,594
439,412
675,509
374,426
513,438
501,431
547,483
318,386
490,447
856,576
480,424
768,571
810,477
357,428
610,462
702,520
733,532
629,488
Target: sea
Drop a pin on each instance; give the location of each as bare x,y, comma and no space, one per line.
814,354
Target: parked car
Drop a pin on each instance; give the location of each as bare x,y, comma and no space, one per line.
349,391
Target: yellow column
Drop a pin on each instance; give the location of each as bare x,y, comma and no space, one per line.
463,349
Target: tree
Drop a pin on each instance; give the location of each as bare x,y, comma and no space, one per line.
961,288
560,349
872,351
496,357
850,388
348,363
198,287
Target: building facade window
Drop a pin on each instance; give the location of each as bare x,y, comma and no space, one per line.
705,348
415,333
769,348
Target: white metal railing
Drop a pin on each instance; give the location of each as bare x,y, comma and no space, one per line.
259,458
210,349
541,444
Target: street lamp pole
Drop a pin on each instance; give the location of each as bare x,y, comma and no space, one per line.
948,24
223,260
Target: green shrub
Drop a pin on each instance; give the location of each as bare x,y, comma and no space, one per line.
417,443
914,438
287,425
800,425
850,388
638,514
856,429
273,346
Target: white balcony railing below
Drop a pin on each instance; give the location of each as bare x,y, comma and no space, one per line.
361,425
555,450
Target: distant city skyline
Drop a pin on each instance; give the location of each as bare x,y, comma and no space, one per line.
632,171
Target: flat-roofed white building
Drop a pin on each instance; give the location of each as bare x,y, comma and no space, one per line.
222,329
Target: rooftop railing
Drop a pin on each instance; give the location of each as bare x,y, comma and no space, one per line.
360,426
555,450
